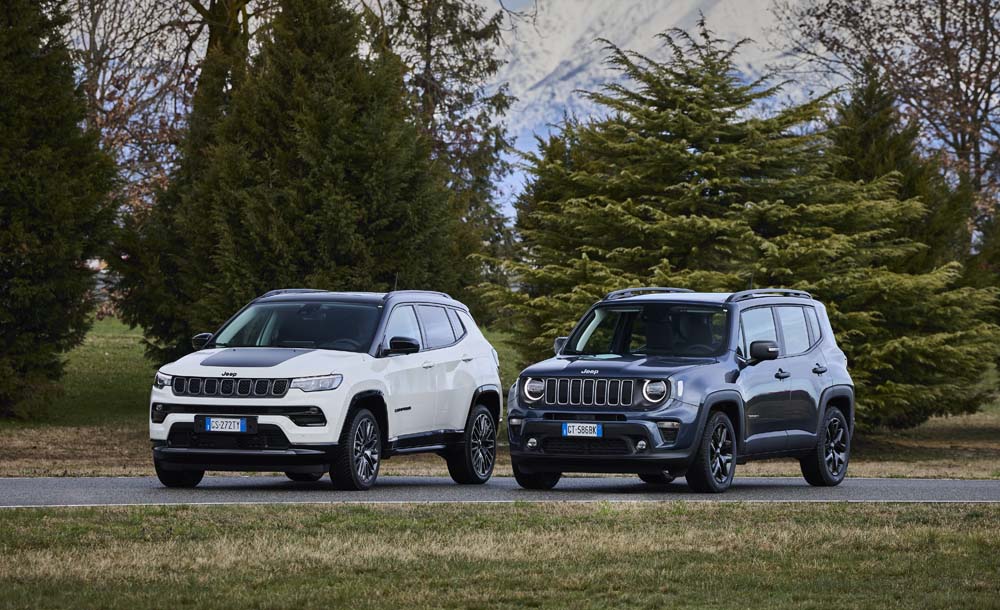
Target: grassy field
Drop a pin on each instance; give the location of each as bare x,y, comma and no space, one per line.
98,426
537,556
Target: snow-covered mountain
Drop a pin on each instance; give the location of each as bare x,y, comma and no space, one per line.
549,60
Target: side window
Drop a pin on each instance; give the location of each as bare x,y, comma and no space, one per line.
402,323
436,325
758,325
813,320
793,329
456,324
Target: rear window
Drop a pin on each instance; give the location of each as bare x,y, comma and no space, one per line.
794,329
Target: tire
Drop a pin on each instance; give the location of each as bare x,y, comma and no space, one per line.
359,453
826,464
304,477
178,478
535,480
660,478
715,461
472,462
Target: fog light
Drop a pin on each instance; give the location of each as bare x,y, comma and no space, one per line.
641,446
532,443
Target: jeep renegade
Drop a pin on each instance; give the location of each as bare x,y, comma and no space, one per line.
309,381
665,382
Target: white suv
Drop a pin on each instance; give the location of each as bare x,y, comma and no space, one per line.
309,381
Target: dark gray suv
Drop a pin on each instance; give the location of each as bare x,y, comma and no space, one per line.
665,382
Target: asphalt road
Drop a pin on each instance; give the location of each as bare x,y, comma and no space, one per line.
106,491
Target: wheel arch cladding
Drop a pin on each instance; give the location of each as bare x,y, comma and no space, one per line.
489,397
374,402
731,405
842,398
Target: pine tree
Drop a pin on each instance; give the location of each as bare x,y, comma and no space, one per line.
871,140
317,176
688,182
55,207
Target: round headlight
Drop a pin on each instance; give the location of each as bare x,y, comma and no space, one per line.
654,391
534,389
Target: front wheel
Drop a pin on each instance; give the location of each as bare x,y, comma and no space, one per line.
826,464
535,480
715,462
178,478
359,453
472,462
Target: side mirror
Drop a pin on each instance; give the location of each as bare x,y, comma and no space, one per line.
559,344
198,341
402,345
763,350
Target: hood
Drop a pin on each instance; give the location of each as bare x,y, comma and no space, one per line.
622,366
262,362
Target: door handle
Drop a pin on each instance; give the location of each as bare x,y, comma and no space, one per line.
466,358
819,369
782,374
428,365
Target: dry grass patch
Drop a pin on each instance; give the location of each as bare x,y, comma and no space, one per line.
545,556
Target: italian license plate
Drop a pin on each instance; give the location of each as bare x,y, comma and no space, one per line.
594,430
225,424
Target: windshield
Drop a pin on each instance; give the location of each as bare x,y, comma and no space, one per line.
654,329
347,327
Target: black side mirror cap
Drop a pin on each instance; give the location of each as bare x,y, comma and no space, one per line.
559,344
763,350
198,341
402,345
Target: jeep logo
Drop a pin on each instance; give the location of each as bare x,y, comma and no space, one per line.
228,374
589,372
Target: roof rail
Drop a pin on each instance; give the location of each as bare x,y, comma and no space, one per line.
767,292
631,292
416,292
289,291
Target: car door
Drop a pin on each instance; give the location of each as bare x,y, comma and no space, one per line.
411,399
763,385
444,350
800,331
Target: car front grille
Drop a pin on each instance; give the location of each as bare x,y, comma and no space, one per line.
588,392
225,387
585,446
268,437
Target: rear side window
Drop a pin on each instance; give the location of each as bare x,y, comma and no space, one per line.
456,324
758,325
437,328
793,329
813,320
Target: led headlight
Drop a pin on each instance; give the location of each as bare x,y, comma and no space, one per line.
161,381
654,390
317,384
534,389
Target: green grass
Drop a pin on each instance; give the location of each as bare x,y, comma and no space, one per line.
541,556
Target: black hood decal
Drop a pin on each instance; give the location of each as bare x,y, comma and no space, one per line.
253,356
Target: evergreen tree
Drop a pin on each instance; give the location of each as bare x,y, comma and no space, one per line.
55,208
688,183
871,140
317,176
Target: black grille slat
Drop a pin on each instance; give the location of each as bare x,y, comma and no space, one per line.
224,386
268,436
586,446
589,392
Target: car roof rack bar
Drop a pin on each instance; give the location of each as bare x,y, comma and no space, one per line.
767,292
631,292
289,291
416,292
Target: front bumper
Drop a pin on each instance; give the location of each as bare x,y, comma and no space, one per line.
631,442
311,458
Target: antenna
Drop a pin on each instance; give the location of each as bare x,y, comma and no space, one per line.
750,281
395,283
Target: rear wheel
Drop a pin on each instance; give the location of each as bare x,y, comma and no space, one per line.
178,478
359,453
472,462
304,477
715,461
826,464
535,480
660,478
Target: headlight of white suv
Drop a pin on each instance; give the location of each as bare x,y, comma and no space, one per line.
161,381
317,384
